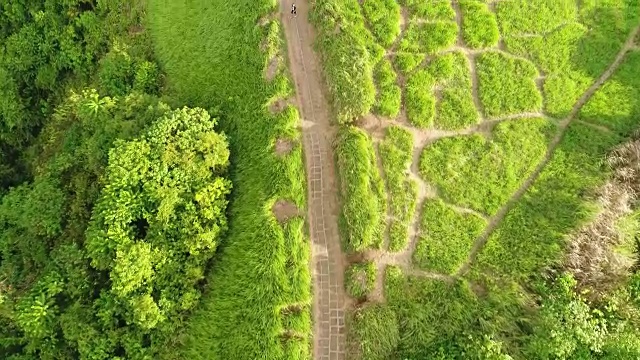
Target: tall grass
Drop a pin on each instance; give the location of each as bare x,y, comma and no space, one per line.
362,219
259,290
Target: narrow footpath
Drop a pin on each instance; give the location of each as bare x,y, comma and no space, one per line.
328,261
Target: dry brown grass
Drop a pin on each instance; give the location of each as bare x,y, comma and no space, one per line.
591,256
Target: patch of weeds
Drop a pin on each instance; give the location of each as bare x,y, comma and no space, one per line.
430,10
616,104
420,100
349,53
406,62
482,174
479,25
456,109
362,219
429,37
360,279
446,237
384,20
373,332
396,153
389,97
507,85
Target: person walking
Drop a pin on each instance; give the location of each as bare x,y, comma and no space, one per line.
293,9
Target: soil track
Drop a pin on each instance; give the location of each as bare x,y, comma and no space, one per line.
328,261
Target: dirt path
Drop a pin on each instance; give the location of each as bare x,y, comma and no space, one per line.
496,220
328,261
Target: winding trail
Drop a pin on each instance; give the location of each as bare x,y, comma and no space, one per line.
328,261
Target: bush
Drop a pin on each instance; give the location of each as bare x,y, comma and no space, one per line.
429,37
430,10
420,101
407,62
507,85
479,25
446,237
362,218
360,279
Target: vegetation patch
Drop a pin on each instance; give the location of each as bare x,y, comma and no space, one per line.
360,279
616,105
430,10
482,174
571,46
396,153
406,62
429,37
446,237
507,85
455,108
389,96
362,219
420,100
373,332
384,20
479,25
349,55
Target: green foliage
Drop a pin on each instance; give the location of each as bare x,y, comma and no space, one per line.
557,40
407,62
455,108
210,53
482,174
616,104
430,10
446,237
374,332
479,25
360,279
349,56
396,154
119,74
507,85
389,95
429,37
420,101
362,218
384,20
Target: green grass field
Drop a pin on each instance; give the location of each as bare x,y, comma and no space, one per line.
210,54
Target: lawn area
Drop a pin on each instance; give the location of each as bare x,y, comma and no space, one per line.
260,287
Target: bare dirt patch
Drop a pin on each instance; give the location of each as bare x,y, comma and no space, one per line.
284,210
272,68
278,105
283,147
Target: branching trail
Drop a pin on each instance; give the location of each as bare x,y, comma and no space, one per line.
328,261
496,219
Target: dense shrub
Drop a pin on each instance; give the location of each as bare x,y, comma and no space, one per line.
384,20
362,217
374,332
479,25
420,100
388,99
429,37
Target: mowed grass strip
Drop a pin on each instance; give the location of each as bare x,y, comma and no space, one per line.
259,290
362,218
481,174
396,154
